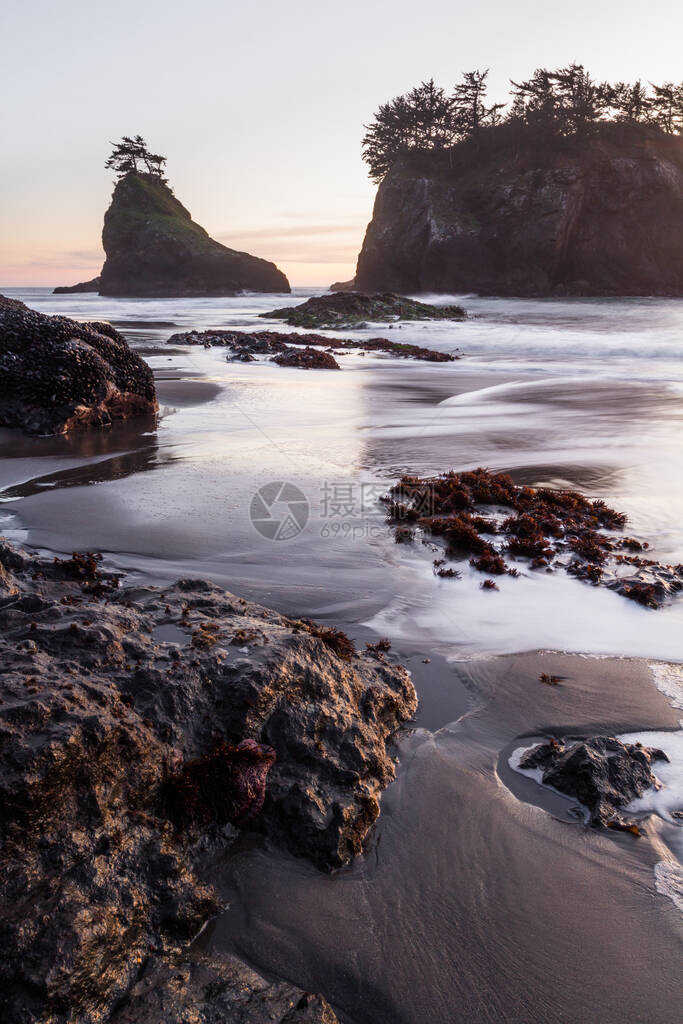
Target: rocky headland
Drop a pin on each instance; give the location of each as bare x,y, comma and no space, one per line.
83,286
244,346
140,730
514,213
57,375
345,309
154,249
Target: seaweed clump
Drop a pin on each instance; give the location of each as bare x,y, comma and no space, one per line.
243,346
334,638
226,786
487,516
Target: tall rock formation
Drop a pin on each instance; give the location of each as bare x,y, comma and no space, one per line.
154,249
525,216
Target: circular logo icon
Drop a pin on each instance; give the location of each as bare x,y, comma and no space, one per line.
279,510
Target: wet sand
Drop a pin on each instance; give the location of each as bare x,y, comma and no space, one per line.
473,904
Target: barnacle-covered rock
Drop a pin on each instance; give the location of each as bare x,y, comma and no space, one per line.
125,756
58,375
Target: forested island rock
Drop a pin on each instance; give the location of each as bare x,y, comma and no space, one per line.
514,213
141,729
58,375
155,250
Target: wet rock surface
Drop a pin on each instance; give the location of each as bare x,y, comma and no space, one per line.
307,359
498,523
57,375
207,990
125,758
603,773
531,216
354,309
245,345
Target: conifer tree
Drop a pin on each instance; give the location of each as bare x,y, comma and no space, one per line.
131,156
666,107
471,113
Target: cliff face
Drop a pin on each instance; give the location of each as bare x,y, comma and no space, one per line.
602,216
155,249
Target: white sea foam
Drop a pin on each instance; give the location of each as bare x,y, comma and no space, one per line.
669,680
669,881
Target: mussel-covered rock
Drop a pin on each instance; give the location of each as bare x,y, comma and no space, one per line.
58,375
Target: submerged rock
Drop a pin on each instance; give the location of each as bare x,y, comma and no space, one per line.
355,309
307,359
520,214
124,757
58,375
244,345
603,773
154,249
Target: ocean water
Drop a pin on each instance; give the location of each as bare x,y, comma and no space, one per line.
582,393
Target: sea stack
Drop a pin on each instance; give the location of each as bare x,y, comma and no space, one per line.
514,214
155,250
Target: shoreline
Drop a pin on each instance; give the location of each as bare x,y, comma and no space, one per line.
463,880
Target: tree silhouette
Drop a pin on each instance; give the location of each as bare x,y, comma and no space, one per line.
470,111
131,156
565,101
630,103
666,107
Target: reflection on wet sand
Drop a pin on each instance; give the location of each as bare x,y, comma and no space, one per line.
105,470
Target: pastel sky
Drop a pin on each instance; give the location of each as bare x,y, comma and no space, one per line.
259,107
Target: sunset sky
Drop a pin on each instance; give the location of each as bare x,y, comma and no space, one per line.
258,107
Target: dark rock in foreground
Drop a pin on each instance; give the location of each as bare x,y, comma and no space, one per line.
518,214
603,773
155,249
84,286
244,345
58,375
355,309
208,990
140,728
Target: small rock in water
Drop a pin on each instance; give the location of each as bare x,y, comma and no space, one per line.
603,773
